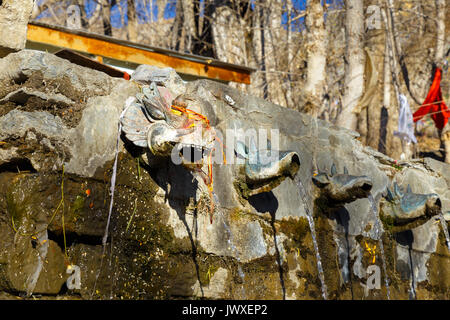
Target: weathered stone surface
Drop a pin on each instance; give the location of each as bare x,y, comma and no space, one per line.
14,16
64,113
162,243
166,77
30,262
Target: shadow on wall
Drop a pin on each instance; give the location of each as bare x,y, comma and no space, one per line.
343,218
182,186
267,202
264,202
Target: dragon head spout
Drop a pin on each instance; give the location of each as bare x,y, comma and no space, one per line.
154,120
264,170
339,189
408,210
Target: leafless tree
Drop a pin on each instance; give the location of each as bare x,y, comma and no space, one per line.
316,58
323,60
354,63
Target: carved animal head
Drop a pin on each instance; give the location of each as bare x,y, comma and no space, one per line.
150,120
263,170
408,210
339,189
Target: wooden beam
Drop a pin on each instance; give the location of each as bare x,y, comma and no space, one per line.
120,50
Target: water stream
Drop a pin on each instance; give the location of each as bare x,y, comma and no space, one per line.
42,249
310,218
412,283
380,241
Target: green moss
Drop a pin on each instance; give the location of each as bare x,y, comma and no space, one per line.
236,214
438,286
266,228
328,253
295,229
321,205
77,207
397,167
15,211
359,238
207,273
150,234
78,204
243,188
264,265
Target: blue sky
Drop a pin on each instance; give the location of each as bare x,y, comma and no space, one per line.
300,5
117,20
144,10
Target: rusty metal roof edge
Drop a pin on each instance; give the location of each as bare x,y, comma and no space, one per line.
168,52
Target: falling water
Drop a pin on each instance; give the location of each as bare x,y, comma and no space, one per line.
445,228
380,241
42,250
412,283
310,218
230,241
128,103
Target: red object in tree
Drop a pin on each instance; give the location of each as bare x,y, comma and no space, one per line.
434,104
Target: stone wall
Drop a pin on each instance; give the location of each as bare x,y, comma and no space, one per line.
58,130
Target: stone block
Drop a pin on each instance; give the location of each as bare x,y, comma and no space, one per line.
14,16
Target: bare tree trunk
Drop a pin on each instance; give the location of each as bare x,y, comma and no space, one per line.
316,58
289,49
84,20
177,28
200,7
386,99
37,9
228,36
372,100
394,147
95,16
106,17
189,23
255,54
132,22
396,48
419,8
440,41
397,63
274,44
262,23
354,66
387,78
161,4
